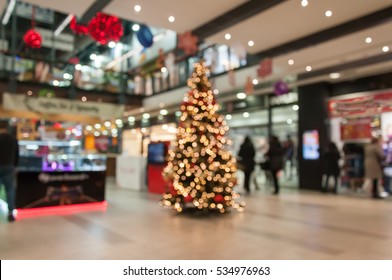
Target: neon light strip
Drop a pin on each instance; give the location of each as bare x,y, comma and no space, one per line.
60,210
62,25
8,12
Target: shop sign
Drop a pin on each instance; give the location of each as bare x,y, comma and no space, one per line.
365,105
42,105
64,42
291,97
59,188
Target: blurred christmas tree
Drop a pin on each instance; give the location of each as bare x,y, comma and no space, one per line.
201,173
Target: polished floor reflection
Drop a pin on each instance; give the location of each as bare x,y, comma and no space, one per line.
294,225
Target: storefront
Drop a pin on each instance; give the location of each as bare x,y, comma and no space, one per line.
354,120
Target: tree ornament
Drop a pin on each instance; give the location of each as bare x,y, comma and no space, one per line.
219,198
188,43
105,28
32,39
145,37
78,29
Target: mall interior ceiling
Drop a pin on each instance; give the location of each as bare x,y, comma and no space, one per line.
309,39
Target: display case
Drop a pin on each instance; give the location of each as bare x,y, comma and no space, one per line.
54,173
51,156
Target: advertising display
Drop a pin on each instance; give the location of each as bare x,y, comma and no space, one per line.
311,145
356,129
40,189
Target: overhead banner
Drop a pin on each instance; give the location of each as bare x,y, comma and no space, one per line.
44,105
366,105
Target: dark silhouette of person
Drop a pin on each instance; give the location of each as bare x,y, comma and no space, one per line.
275,158
246,158
9,155
289,154
331,166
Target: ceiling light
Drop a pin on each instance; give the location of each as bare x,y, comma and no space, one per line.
172,19
163,112
135,27
216,91
107,124
89,127
97,125
368,40
165,127
114,131
84,98
385,49
56,83
137,8
255,81
93,56
295,107
228,117
118,121
241,95
29,93
308,68
245,115
131,119
105,132
8,12
304,3
290,62
112,44
251,43
78,67
141,110
289,121
96,133
161,105
334,75
163,70
328,13
146,116
227,36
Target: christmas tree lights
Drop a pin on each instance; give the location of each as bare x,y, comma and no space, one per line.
200,172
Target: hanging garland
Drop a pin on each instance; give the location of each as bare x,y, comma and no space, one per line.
104,28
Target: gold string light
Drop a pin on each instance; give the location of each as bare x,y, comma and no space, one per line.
200,172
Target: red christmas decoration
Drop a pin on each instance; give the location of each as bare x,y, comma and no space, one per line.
104,28
32,39
219,198
78,29
188,43
74,60
265,68
188,198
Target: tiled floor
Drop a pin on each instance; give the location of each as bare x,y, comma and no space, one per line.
294,225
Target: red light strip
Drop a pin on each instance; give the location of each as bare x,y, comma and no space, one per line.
60,210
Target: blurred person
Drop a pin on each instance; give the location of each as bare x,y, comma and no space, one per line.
9,155
275,160
374,157
246,156
289,156
331,166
